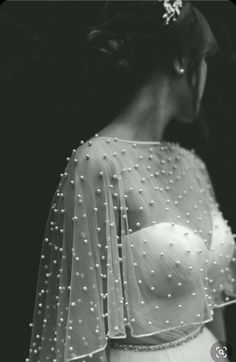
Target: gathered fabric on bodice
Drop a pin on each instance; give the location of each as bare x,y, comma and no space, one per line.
135,249
176,279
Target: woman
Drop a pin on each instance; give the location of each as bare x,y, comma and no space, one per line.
137,260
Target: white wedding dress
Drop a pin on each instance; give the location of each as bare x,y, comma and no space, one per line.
136,253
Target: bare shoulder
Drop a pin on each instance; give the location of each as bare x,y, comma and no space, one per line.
193,157
91,158
91,147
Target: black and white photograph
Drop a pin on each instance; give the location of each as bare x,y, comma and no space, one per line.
119,185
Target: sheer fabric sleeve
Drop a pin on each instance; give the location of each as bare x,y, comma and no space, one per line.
79,300
222,279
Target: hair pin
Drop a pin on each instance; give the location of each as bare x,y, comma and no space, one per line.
172,9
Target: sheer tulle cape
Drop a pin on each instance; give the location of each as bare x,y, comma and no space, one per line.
88,283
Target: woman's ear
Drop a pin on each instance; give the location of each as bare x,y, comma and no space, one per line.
180,65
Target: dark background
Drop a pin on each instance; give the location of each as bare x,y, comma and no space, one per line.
47,107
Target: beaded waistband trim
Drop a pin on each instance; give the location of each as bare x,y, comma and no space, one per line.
156,347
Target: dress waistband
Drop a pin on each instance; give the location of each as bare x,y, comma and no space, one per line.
156,347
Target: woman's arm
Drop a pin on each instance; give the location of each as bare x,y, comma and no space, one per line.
217,326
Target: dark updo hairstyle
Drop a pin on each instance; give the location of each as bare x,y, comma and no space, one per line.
131,41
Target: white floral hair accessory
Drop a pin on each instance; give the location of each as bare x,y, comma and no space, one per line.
172,8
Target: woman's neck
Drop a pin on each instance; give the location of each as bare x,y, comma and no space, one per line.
146,118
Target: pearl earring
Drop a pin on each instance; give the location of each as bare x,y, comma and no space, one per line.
181,70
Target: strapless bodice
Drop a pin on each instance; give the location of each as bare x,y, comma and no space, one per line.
172,264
